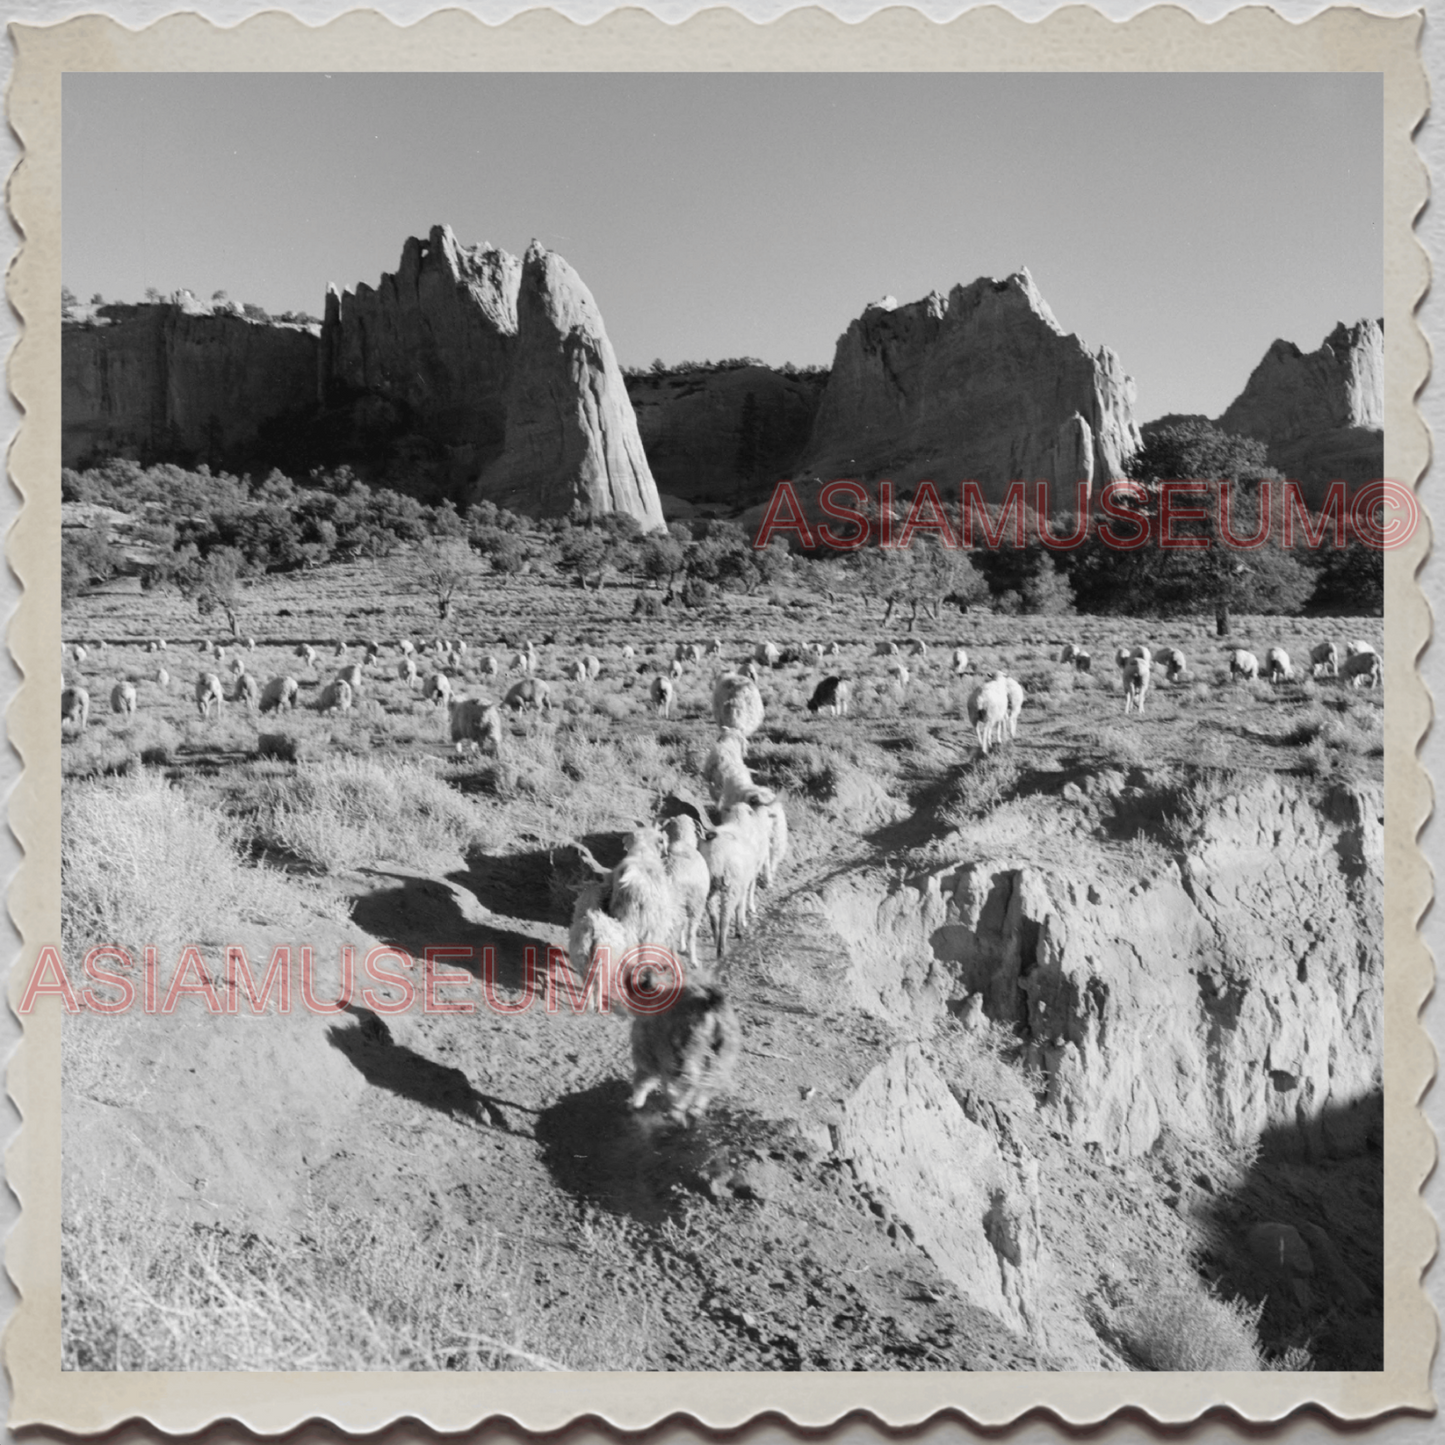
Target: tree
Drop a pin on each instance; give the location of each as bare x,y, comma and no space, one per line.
67,301
213,582
86,557
152,294
662,558
583,552
441,567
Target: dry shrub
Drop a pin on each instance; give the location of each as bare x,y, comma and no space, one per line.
352,1293
345,812
1179,1325
980,787
141,864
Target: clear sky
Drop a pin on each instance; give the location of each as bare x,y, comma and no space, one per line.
1184,221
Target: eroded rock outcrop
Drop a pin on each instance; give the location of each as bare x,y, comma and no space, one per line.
1320,413
720,435
1233,992
981,385
178,381
571,442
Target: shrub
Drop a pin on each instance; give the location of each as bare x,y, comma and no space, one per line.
1181,1326
285,747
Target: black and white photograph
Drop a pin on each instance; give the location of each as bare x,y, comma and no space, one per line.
722,722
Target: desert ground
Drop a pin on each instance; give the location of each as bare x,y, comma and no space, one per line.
1066,1057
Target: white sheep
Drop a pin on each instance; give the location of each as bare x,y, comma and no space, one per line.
407,646
208,693
595,932
1324,660
958,661
1015,705
735,855
640,895
531,692
901,675
674,670
1243,664
339,647
247,691
1357,649
751,670
307,654
1173,663
74,709
1069,653
628,652
917,647
594,667
885,649
351,675
716,650
1277,667
437,688
163,678
489,667
578,671
280,692
250,644
1136,684
832,692
988,706
335,696
238,666
682,653
737,703
663,695
406,670
1364,669
833,649
767,654
122,699
474,719
687,871
78,652
726,774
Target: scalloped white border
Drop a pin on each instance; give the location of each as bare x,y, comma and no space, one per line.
1075,38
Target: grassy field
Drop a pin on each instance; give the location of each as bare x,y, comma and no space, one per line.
448,1145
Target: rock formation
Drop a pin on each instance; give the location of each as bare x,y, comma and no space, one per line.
433,342
983,385
726,434
178,381
1321,413
570,436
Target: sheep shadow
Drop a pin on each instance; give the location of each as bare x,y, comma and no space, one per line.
419,914
637,1164
386,1064
519,885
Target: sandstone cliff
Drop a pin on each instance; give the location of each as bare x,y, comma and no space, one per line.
1321,413
570,436
724,435
982,385
178,381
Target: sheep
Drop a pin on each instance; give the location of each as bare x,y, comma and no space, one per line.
1069,653
238,666
917,647
1277,666
340,647
1082,661
406,670
767,654
1243,664
833,649
772,813
737,703
217,651
663,694
1173,663
1355,648
578,671
280,692
475,719
735,855
74,709
628,652
640,896
687,871
153,646
78,652
163,678
674,671
958,661
988,708
335,696
751,670
525,659
208,693
1136,684
689,1051
1364,669
1125,655
716,650
351,675
489,666
594,931
594,667
204,645
1324,660
1015,705
250,644
901,675
307,654
248,690
407,646
122,699
885,649
725,773
816,649
460,647
530,692
832,692
682,653
437,688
